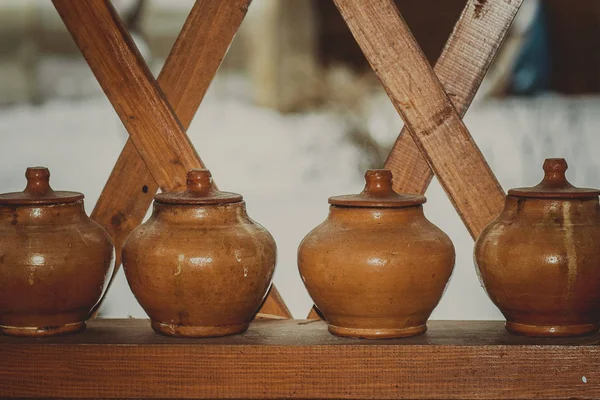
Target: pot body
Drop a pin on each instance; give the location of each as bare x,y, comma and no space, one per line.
54,266
539,262
376,272
199,270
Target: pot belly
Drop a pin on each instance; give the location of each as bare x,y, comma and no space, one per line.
377,293
544,280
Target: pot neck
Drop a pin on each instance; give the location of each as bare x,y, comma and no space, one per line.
55,214
578,210
223,214
362,215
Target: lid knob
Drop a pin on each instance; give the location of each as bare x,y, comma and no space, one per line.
38,191
554,173
38,181
378,193
200,190
555,184
199,182
378,182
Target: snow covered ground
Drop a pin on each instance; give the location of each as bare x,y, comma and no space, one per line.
287,165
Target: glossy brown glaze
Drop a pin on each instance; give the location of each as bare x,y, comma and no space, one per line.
54,260
199,266
539,261
376,267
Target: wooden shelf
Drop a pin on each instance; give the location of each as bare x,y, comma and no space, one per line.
299,359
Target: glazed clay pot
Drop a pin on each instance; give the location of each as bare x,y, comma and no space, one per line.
199,266
54,260
376,267
539,261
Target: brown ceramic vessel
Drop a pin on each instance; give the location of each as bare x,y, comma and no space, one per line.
54,260
199,266
376,267
539,261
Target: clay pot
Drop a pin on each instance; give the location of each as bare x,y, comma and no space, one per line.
376,267
54,260
199,266
539,261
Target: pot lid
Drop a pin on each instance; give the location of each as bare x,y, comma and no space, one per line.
378,193
38,191
200,190
555,184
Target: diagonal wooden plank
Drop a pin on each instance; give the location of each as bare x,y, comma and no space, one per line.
123,359
420,99
130,87
461,68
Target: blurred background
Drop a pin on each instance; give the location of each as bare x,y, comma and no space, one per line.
295,115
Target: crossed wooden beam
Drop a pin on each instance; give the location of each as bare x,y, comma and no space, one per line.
156,114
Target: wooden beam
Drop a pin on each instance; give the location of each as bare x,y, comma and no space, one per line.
159,153
467,56
300,359
313,313
420,99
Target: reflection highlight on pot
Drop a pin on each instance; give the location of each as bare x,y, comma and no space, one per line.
201,261
37,260
377,262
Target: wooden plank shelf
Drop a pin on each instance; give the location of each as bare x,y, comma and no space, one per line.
299,359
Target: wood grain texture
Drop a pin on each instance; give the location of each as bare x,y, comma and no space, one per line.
420,99
300,359
467,56
129,85
156,134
